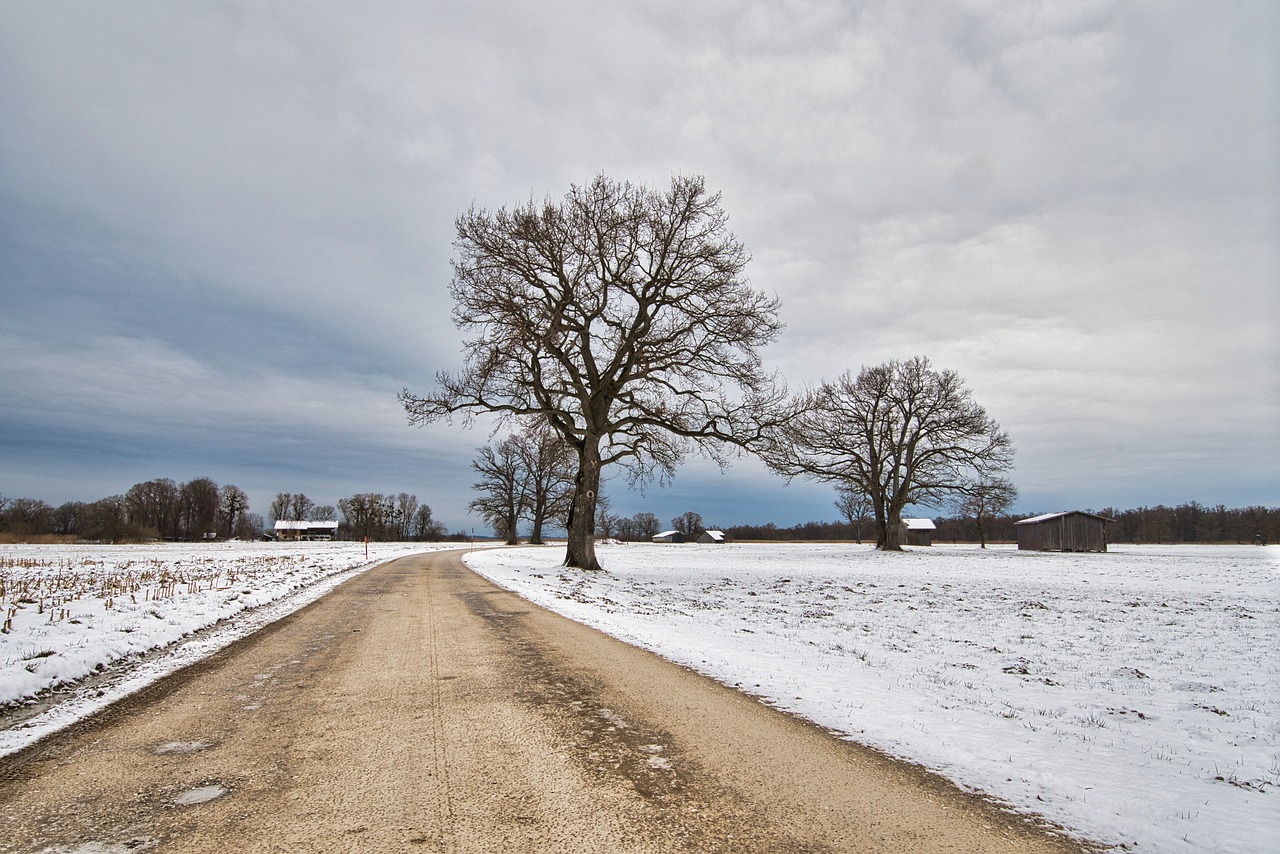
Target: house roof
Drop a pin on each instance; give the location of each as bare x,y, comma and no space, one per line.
293,525
920,524
1044,517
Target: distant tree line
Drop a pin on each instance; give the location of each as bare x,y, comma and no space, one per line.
1184,523
200,509
1193,523
156,509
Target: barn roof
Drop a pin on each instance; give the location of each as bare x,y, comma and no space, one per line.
1044,517
920,524
289,525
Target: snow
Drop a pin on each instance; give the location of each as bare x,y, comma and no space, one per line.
1130,697
71,611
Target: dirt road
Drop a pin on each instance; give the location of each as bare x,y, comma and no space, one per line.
420,708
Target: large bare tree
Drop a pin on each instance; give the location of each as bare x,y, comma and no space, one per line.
901,432
621,316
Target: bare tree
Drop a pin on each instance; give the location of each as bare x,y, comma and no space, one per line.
984,498
855,506
619,316
232,504
300,507
366,515
67,518
279,510
323,513
606,521
647,525
548,463
901,432
29,516
425,527
198,507
249,526
625,528
688,523
406,505
154,505
503,487
107,519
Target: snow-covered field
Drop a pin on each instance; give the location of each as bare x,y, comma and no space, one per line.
71,611
1131,697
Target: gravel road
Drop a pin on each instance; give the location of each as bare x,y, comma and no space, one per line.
420,708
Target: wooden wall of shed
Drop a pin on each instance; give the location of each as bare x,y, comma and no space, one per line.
909,537
1074,532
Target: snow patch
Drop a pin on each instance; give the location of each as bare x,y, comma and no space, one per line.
200,795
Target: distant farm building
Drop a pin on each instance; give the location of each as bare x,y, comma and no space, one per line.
917,532
287,530
669,537
1069,531
713,537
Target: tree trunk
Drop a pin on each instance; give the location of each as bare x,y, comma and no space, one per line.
539,516
581,552
982,536
883,513
892,541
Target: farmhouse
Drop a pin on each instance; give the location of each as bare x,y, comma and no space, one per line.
917,532
1069,531
291,530
669,537
713,537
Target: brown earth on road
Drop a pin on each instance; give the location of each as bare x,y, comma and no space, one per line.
420,708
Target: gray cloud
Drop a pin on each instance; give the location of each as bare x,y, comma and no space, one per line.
226,227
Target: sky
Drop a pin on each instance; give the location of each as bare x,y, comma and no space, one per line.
226,227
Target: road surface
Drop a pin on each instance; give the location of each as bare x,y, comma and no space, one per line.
420,708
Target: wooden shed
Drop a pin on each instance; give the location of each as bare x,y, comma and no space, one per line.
917,532
669,537
713,537
1068,531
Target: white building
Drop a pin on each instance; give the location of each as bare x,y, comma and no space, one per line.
291,530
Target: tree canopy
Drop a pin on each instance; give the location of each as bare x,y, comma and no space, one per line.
901,432
621,317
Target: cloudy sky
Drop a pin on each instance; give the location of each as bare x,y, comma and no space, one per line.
226,227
